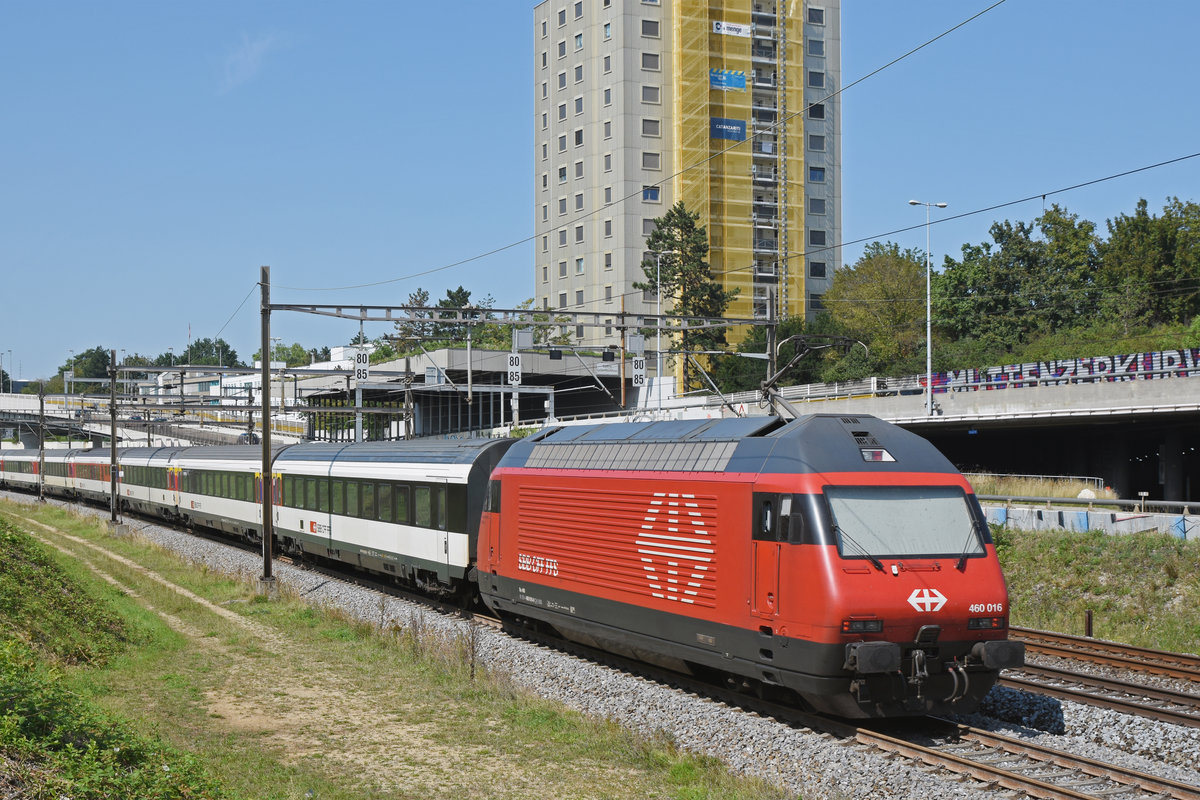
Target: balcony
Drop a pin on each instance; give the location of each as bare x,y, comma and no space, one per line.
762,53
765,175
766,246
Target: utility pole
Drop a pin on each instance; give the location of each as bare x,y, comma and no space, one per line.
112,450
622,351
42,441
266,583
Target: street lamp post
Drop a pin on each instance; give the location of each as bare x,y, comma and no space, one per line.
928,309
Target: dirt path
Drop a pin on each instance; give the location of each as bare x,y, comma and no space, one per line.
293,701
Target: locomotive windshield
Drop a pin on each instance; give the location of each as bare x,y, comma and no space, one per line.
903,521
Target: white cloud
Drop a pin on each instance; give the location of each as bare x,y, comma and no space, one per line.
244,62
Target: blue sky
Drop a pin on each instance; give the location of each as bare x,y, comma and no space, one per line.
153,155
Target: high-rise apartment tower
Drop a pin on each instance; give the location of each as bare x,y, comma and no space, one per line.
726,105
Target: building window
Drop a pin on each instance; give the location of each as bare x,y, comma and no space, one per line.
607,195
579,41
578,169
816,111
651,94
578,233
545,90
562,238
650,28
816,174
545,304
608,293
607,228
543,59
562,143
579,73
650,194
562,269
608,30
562,174
578,331
608,63
578,105
579,137
578,10
545,274
562,17
562,80
562,49
545,121
650,61
545,151
562,299
816,238
816,79
579,302
562,111
562,206
545,181
608,162
608,260
608,97
649,2
579,202
816,142
543,29
816,16
579,266
816,269
651,127
648,226
608,328
651,161
545,212
545,244
607,129
816,47
818,302
816,205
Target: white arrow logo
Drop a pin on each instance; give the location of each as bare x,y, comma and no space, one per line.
927,600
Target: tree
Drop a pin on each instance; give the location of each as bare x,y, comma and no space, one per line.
92,363
1150,266
880,299
208,352
416,329
676,269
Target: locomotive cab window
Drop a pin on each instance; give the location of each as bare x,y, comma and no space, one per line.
903,522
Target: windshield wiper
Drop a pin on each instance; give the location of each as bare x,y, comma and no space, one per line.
971,535
862,550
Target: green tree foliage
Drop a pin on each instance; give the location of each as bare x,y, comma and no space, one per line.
734,373
681,274
209,352
880,300
1150,266
92,363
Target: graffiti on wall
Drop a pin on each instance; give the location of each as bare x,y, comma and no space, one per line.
1098,369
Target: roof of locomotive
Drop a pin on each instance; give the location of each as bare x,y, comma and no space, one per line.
813,443
425,451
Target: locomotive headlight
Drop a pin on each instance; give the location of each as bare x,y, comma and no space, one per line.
862,625
875,454
985,623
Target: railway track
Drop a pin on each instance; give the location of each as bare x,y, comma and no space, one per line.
1095,651
1003,762
1179,708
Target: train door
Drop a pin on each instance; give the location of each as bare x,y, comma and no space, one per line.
430,514
174,484
765,551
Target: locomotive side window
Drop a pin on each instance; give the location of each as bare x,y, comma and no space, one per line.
338,488
367,500
765,527
492,503
352,498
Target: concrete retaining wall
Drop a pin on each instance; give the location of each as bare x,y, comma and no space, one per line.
1074,519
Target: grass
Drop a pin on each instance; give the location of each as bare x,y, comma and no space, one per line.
1030,486
281,699
1143,589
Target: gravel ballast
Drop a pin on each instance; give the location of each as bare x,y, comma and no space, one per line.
799,761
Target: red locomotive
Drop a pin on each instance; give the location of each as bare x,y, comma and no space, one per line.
839,557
